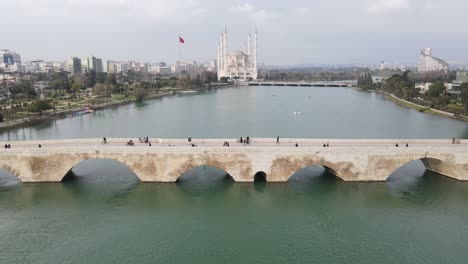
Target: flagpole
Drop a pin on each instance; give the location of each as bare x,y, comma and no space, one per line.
180,59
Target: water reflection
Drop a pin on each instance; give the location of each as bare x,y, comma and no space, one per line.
205,180
414,183
313,178
8,181
100,179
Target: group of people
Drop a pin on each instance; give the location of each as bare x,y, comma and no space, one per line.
396,145
226,144
245,141
130,143
144,140
7,146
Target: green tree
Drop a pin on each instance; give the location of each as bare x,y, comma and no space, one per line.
436,89
39,106
1,118
91,78
77,87
464,95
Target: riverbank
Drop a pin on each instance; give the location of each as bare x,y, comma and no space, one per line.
115,100
419,108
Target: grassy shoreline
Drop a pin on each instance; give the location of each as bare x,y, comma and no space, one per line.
11,125
419,108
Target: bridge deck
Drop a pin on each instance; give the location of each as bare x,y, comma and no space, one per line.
234,143
167,159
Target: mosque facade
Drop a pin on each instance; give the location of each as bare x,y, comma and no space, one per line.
240,65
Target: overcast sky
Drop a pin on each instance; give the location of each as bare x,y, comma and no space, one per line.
289,32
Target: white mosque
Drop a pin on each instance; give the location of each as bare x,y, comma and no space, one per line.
238,65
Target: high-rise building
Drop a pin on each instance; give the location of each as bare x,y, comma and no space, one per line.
9,57
10,61
74,65
91,63
238,65
117,67
428,63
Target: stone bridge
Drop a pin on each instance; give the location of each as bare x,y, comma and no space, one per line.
166,160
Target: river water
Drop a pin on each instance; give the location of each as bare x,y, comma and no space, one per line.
105,215
325,112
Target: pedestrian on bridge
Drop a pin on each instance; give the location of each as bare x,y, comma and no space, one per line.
277,140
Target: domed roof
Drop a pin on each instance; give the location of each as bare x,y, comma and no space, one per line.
240,53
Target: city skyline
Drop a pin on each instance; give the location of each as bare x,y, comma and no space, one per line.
367,31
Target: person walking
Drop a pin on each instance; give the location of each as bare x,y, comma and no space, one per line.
277,140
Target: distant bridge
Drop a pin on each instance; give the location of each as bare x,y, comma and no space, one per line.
304,84
167,159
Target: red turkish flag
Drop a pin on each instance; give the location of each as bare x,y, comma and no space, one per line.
181,40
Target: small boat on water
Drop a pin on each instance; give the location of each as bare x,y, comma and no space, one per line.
297,113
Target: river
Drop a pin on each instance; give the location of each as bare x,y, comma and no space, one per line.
105,215
321,112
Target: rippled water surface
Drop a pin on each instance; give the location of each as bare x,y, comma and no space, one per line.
321,112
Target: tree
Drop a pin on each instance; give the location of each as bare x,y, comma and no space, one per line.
91,78
365,81
1,118
464,95
39,106
140,94
77,87
436,89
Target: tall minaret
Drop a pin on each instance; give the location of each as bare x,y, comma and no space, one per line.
217,58
225,50
255,52
245,48
221,52
249,48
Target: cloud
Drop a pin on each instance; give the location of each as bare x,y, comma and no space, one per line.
300,11
262,16
388,6
244,8
429,6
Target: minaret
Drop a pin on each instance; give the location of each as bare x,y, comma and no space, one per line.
245,48
249,48
217,58
221,52
255,52
225,50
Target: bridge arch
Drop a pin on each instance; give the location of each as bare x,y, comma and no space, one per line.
439,166
116,166
327,170
260,176
214,172
10,170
